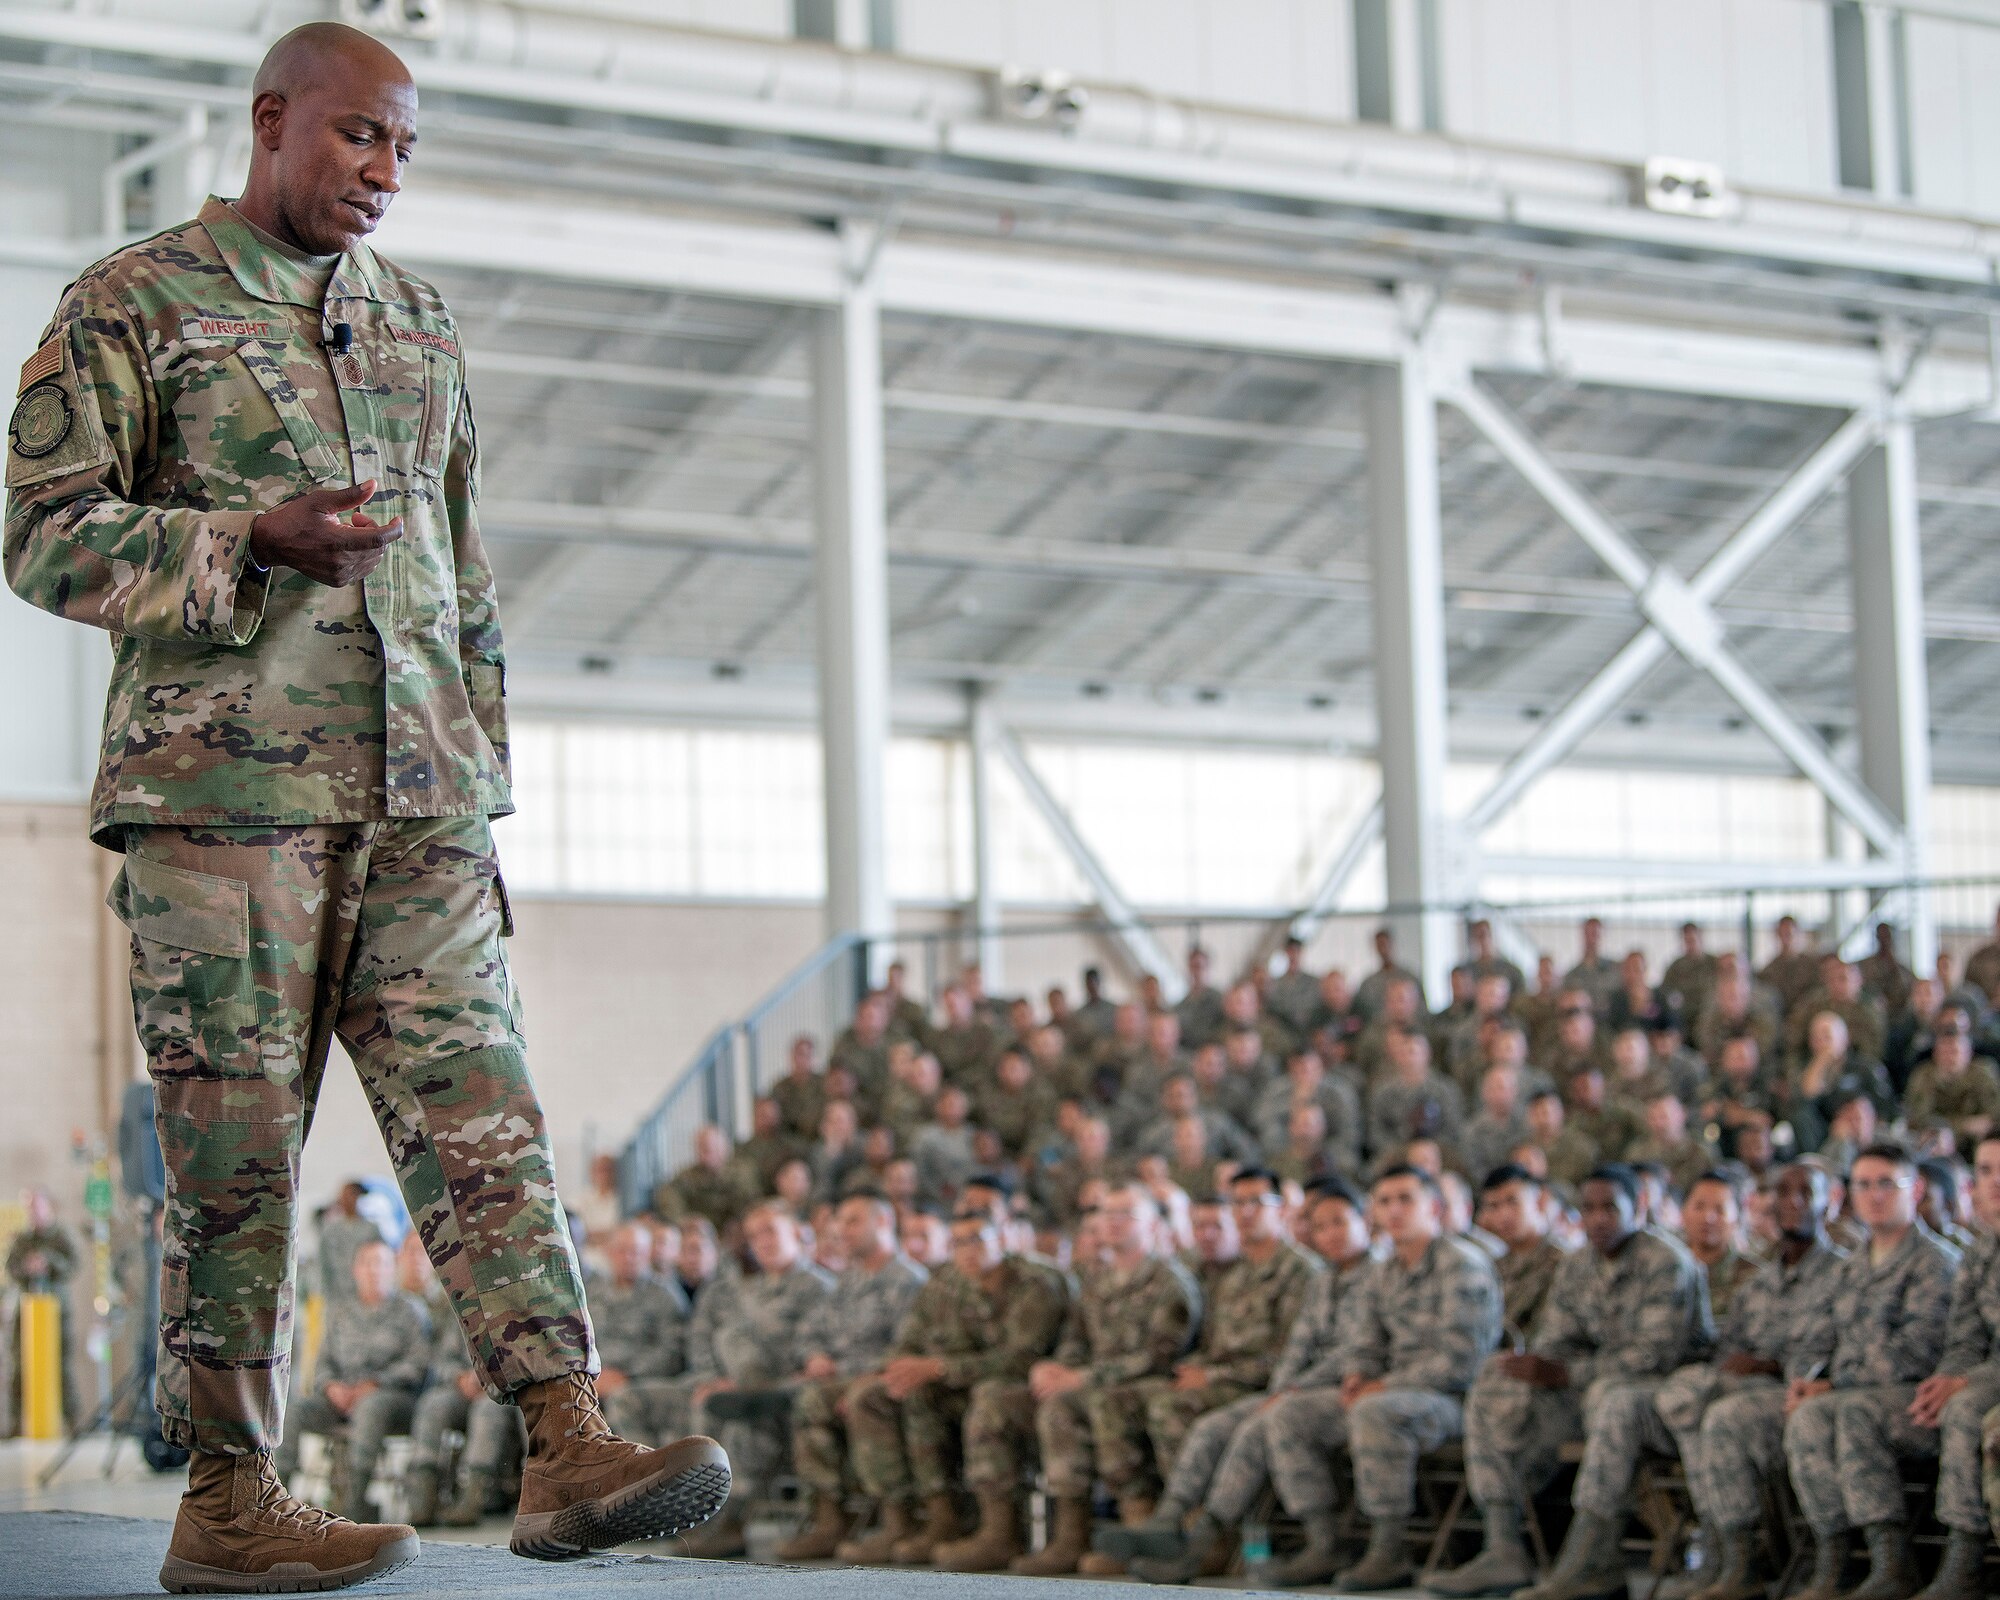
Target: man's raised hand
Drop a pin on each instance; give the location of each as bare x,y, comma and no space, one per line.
311,533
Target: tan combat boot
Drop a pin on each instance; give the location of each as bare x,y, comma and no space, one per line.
1069,1542
941,1526
584,1489
995,1543
820,1537
239,1531
879,1547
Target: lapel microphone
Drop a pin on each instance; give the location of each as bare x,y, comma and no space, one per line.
343,339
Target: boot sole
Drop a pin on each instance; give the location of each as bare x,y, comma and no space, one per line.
650,1509
286,1577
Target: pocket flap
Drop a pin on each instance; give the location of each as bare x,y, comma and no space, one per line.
188,910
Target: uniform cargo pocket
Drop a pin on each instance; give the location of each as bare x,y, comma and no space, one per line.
194,995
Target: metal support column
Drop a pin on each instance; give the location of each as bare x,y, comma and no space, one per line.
853,580
985,888
1892,694
1410,660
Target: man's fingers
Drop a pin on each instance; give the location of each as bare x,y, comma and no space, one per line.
338,500
371,535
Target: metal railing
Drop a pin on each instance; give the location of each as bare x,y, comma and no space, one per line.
739,1061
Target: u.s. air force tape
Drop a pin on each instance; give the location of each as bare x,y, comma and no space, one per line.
42,420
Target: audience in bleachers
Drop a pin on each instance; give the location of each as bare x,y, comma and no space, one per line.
1281,1242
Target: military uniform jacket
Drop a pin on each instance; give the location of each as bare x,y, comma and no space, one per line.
387,1343
719,1194
857,1323
184,388
1251,1311
1310,1359
982,1333
1423,1327
1639,1314
1972,1330
1782,1309
1526,1276
748,1325
1129,1325
1887,1323
1726,1275
642,1330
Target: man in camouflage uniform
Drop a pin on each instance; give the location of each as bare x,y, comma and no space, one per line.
304,741
747,1338
989,1318
1624,1421
1513,1208
1244,1323
1133,1318
641,1324
1725,1418
1634,1305
1890,1303
710,1186
1224,1464
342,1231
372,1361
1965,1388
1412,1338
846,1338
801,1092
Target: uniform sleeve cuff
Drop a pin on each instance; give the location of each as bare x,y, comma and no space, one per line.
249,586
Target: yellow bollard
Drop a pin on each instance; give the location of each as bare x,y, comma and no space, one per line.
306,1341
41,1366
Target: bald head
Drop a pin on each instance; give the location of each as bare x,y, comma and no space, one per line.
321,52
334,113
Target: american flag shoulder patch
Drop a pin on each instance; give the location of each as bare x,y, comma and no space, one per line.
44,363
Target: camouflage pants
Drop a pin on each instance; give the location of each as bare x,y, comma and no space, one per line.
1619,1425
1091,1434
819,1435
649,1411
1304,1434
1000,1435
252,949
375,1417
1170,1413
1960,1502
908,1447
1202,1453
1730,1432
490,1429
1387,1434
1514,1435
1842,1448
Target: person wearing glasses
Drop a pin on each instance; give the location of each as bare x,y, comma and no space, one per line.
1848,1423
1633,1306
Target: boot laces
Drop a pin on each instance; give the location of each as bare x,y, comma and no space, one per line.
278,1504
581,1401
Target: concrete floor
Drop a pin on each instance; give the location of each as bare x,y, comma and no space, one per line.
88,1535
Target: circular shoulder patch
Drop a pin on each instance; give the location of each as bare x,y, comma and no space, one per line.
41,422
